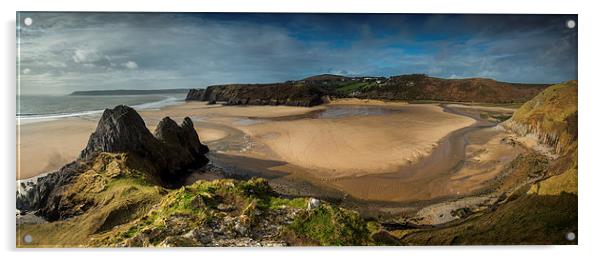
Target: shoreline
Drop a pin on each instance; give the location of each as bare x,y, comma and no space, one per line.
399,191
232,132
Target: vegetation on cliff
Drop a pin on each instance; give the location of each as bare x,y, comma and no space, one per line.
127,209
545,210
551,116
318,89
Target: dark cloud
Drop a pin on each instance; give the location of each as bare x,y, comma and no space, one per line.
62,52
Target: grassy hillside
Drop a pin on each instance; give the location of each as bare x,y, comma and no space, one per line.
541,213
316,90
529,219
114,191
119,206
551,116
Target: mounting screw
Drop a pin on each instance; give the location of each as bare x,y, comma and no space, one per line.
27,21
570,236
571,24
28,239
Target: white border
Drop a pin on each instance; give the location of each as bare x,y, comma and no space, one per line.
589,127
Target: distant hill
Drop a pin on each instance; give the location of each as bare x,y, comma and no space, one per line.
318,89
119,92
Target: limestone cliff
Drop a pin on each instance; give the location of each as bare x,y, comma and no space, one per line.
550,117
195,94
289,94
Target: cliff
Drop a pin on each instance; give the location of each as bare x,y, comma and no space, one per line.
289,94
551,117
316,90
544,211
195,94
551,120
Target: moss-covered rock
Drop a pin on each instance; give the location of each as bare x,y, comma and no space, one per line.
330,226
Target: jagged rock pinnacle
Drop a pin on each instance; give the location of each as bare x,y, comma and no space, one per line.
172,149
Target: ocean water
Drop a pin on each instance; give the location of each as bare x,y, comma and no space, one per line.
32,108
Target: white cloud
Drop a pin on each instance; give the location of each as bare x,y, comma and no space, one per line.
85,56
26,71
131,65
95,51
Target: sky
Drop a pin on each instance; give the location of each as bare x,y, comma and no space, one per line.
62,52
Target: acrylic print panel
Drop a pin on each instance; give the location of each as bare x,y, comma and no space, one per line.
264,129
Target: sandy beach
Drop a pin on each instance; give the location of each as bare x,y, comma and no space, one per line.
48,145
373,150
358,145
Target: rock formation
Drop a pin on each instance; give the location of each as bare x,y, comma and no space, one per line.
164,157
195,94
288,94
173,148
550,117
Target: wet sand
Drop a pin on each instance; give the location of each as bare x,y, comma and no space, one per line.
46,146
355,149
369,142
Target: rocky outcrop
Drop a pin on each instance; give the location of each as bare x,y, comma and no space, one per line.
33,193
195,94
172,149
289,94
550,118
164,158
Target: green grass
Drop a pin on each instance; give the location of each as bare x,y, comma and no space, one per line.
193,206
277,202
331,226
554,112
350,87
118,194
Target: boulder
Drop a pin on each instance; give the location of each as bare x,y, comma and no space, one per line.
313,203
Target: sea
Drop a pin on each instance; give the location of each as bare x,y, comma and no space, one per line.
36,108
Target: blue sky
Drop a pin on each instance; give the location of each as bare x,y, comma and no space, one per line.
63,52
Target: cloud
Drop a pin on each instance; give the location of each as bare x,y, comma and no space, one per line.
131,65
26,71
85,56
73,51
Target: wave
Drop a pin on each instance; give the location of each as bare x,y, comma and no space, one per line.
169,101
32,118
